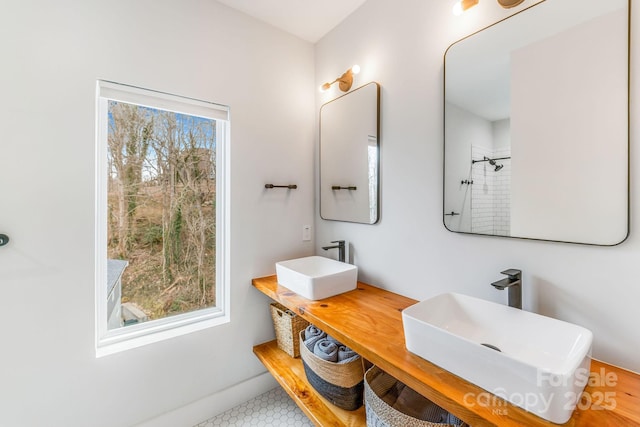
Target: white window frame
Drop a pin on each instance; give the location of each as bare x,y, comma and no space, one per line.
132,336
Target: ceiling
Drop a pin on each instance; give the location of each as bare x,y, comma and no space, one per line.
307,19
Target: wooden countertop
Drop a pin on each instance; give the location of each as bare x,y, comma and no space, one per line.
369,321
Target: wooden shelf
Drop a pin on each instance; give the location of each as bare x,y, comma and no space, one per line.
289,372
369,320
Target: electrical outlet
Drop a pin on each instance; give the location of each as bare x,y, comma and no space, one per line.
306,233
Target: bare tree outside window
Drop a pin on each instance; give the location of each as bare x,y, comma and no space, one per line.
162,209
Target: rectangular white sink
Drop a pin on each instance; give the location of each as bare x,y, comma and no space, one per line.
535,362
317,277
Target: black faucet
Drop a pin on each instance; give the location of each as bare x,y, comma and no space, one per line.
514,283
340,246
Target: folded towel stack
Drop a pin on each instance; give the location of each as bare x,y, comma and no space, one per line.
312,335
326,347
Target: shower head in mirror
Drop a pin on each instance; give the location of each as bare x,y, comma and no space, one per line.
492,162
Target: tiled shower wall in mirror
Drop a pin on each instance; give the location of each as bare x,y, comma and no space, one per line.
491,192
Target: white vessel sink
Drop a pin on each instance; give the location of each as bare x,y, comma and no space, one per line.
317,277
542,364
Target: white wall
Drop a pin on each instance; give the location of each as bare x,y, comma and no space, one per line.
409,251
502,134
52,54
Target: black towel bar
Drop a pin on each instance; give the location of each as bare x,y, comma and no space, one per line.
290,186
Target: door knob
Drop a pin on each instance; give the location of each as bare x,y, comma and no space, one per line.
4,239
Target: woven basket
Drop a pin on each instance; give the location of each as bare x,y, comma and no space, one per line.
379,413
287,326
342,384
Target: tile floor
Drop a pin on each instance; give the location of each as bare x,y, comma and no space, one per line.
271,409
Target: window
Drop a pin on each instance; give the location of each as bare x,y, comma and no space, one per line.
161,207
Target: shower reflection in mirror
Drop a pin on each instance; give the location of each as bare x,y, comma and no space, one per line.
490,196
479,155
530,104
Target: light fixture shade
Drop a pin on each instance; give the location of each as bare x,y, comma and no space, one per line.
462,5
507,4
346,81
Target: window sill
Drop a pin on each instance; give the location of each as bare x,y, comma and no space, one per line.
134,336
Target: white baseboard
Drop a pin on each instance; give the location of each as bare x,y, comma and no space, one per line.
214,404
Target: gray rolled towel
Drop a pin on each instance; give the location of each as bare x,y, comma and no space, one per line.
326,350
332,339
312,335
346,355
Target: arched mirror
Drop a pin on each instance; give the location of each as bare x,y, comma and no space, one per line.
537,125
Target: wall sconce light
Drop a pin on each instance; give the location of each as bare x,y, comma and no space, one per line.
462,5
508,4
345,81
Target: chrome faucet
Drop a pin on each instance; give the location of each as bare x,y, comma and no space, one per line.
341,249
514,283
